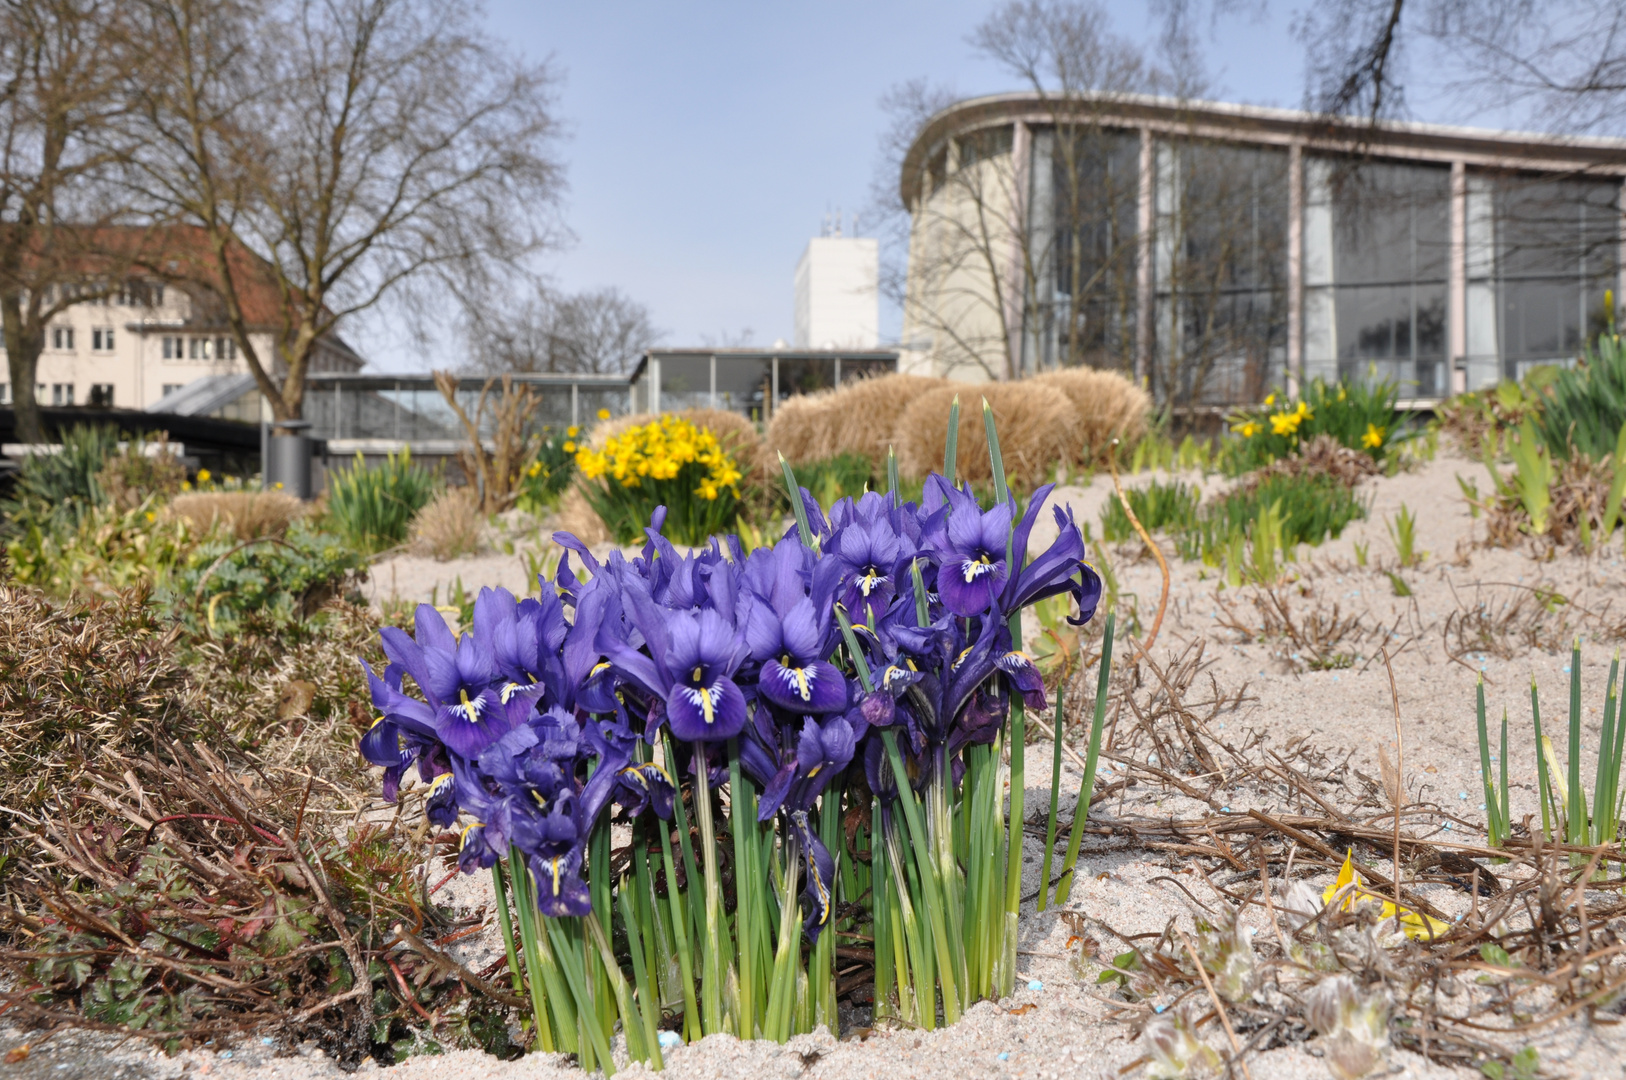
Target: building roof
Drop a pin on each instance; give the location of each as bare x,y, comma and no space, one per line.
204,396
753,353
1257,124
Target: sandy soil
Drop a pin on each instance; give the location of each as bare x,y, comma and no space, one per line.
1344,713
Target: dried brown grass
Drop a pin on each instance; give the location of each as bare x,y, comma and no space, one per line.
249,515
450,526
857,418
1035,426
1321,456
1108,406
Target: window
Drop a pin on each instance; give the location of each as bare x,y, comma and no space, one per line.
62,338
202,348
174,348
225,348
62,393
171,387
101,395
101,340
5,393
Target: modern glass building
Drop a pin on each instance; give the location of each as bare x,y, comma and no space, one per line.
748,381
1217,251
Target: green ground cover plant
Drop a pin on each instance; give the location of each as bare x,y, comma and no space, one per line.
543,482
1583,408
1360,415
371,507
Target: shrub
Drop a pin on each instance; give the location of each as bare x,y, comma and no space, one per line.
450,526
372,507
545,479
1159,506
1361,416
1108,406
106,550
1036,427
270,582
859,417
1583,409
670,462
132,475
61,486
247,515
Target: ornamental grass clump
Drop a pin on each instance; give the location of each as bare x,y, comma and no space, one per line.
669,462
827,716
372,507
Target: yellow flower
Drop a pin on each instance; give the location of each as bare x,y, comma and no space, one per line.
1284,423
570,447
604,414
1271,400
151,516
535,470
203,476
1248,429
572,431
1413,924
1373,437
1342,394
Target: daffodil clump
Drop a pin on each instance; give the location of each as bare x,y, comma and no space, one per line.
1361,416
543,480
667,462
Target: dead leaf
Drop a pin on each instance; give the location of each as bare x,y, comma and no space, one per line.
1391,777
16,1054
295,698
1022,1010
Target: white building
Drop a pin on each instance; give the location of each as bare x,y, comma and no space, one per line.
838,303
151,338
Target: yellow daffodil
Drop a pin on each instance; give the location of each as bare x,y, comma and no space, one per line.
572,431
1373,437
570,447
1270,400
1355,893
1285,423
1247,429
203,476
604,414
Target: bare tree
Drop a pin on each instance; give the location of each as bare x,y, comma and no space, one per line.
597,330
1559,64
59,65
349,151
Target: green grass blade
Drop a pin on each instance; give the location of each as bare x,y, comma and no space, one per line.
794,490
996,460
1492,823
1086,786
1602,800
1507,821
951,445
1543,781
1575,813
892,476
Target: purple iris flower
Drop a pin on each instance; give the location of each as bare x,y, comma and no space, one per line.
818,877
1051,573
971,558
692,658
467,697
792,649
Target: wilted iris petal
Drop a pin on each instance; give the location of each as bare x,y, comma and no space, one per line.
474,851
1024,677
819,874
643,786
440,805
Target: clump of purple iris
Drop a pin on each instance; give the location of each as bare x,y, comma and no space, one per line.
547,715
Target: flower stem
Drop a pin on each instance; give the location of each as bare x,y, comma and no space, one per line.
1086,786
1055,793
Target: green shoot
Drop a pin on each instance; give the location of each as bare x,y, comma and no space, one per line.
1403,531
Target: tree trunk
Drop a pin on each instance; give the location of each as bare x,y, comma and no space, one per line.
22,363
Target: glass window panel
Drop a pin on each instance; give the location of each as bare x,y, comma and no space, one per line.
592,398
1090,313
685,382
744,383
805,376
1391,223
856,369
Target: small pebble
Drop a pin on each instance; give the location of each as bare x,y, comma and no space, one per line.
1158,1008
669,1039
1462,794
267,1041
1004,1055
1035,985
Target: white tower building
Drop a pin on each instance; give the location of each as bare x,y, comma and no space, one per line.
838,302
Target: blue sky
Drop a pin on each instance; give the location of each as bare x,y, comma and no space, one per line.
708,140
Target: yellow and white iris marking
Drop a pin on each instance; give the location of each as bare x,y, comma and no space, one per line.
870,578
463,838
469,709
706,697
799,679
439,782
976,568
